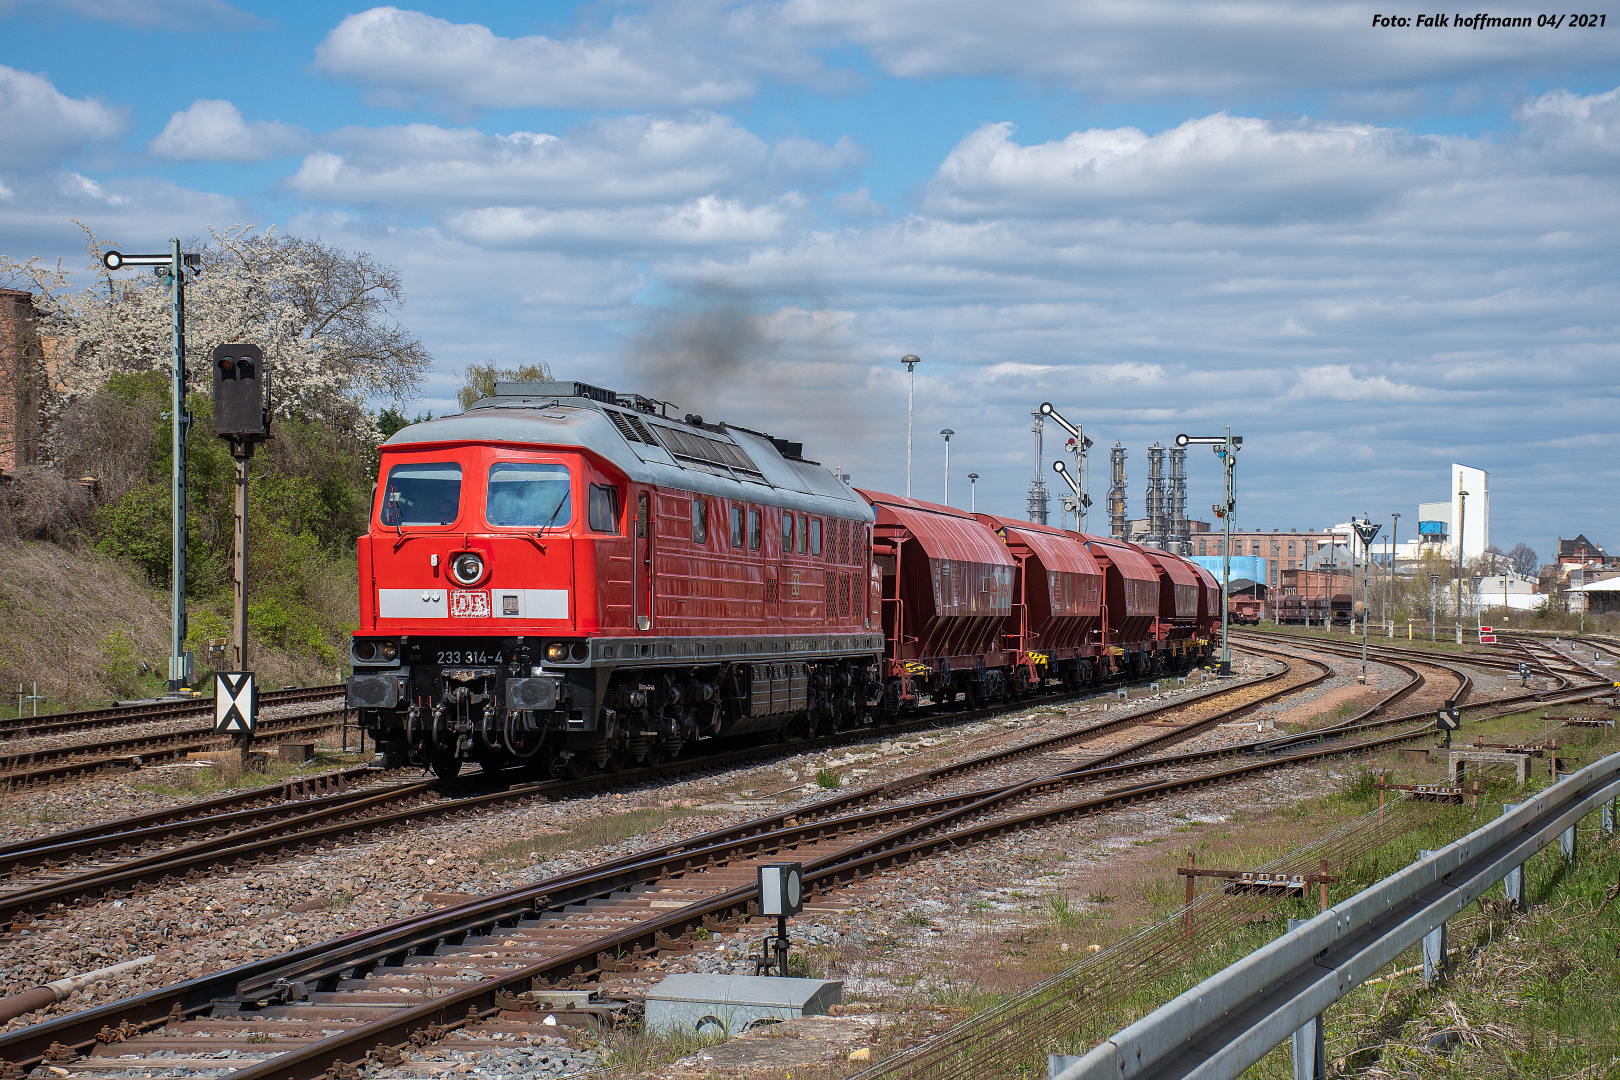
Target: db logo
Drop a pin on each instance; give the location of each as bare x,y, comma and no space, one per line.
469,605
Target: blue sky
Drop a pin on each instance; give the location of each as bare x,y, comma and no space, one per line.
1371,251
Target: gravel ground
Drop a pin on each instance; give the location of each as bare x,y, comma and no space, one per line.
245,916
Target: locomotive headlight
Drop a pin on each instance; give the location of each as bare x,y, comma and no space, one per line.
365,650
557,652
388,650
467,568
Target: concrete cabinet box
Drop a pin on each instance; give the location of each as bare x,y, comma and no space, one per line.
730,1004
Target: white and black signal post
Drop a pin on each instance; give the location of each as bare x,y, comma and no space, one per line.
236,708
1448,719
1078,446
241,417
1226,448
1366,530
171,267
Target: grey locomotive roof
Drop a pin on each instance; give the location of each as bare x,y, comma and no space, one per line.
760,474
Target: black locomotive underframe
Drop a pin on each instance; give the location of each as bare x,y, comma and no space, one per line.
604,716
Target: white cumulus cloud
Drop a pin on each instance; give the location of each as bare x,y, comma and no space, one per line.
408,54
216,131
624,160
1216,167
40,126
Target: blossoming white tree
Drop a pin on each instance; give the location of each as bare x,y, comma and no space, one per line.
323,316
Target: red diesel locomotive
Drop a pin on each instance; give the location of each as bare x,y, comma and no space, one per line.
568,577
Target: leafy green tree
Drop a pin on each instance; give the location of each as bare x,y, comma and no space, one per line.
481,379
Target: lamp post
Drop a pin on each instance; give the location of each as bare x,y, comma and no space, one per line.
1394,553
1226,448
947,432
1462,518
973,492
1366,530
911,360
172,266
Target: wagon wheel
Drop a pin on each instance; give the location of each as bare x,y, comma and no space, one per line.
445,766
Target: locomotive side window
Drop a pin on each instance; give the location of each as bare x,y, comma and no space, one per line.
815,536
529,494
787,533
604,508
424,494
736,526
754,522
804,533
700,521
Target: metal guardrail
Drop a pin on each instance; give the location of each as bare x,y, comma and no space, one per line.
1234,1018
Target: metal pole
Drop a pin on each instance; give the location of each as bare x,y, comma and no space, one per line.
1394,553
911,361
1366,571
947,432
1462,517
244,451
1229,460
973,492
179,673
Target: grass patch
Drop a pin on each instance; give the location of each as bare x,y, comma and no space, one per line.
229,775
636,1050
826,778
591,833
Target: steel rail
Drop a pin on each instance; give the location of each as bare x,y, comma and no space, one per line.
56,850
54,723
445,1011
72,761
884,851
194,995
286,791
287,832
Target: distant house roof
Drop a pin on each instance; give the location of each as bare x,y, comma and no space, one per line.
1607,585
1578,548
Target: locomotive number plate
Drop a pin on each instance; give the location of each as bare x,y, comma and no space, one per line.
469,605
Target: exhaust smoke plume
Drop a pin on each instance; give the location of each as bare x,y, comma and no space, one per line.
793,372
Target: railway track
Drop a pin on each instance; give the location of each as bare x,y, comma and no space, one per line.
474,963
1367,720
87,719
34,768
54,872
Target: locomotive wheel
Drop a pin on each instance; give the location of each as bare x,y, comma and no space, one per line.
445,766
575,768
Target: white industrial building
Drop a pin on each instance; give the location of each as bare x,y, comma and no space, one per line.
1437,522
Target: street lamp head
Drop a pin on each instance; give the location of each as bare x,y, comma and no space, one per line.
911,360
947,432
973,477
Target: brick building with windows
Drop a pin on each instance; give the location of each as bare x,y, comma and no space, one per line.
1291,550
22,373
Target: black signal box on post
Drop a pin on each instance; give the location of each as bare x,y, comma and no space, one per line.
239,411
